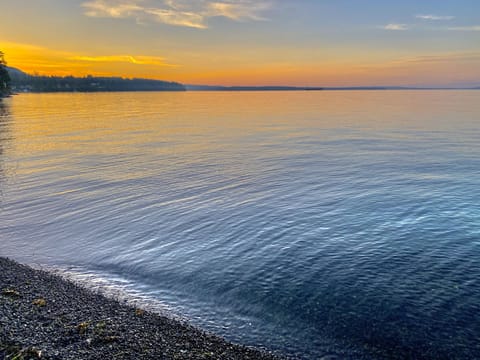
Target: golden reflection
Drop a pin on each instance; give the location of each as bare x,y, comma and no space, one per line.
109,127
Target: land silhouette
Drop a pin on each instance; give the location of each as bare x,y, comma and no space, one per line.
23,82
4,77
13,80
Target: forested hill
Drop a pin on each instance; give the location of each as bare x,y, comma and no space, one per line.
22,82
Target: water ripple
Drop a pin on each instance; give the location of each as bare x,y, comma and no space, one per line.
336,224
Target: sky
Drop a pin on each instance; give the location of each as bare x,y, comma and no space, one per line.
248,42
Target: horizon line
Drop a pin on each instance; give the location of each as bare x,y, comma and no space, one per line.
220,87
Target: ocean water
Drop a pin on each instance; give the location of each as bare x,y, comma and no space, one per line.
330,224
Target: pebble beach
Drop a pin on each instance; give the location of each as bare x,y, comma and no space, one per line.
43,316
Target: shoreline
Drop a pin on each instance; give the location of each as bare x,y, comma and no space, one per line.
43,316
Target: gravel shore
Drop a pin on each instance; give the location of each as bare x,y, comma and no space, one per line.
43,316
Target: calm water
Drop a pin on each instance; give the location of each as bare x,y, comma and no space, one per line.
335,224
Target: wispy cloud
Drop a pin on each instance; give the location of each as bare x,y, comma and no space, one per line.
238,10
115,9
178,18
396,27
137,60
465,28
440,58
193,14
42,60
435,17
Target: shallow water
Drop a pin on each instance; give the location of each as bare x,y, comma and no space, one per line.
337,224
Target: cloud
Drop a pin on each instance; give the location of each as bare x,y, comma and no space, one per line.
178,18
137,60
115,9
239,10
42,60
465,28
396,27
435,17
194,14
445,57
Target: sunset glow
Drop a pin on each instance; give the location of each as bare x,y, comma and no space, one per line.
244,42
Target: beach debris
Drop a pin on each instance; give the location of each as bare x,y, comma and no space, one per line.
109,339
10,293
28,353
100,326
40,302
82,327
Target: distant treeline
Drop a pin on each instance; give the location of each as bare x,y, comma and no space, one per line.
4,77
22,82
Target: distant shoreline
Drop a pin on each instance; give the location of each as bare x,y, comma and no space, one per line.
22,82
254,89
263,88
192,87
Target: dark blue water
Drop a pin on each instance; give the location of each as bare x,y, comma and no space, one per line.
316,224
